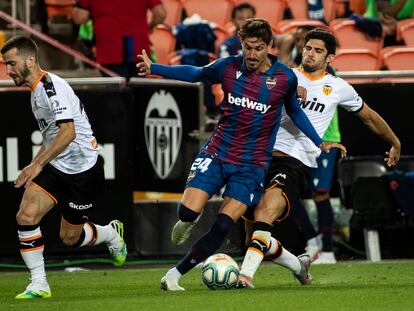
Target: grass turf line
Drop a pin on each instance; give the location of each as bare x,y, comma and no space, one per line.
344,286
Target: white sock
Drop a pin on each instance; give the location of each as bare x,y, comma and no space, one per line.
33,256
274,246
173,272
288,260
96,234
254,256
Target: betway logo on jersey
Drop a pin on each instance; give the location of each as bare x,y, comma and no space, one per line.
248,103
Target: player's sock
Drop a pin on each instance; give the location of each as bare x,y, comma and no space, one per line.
258,247
31,249
94,234
185,214
283,257
174,273
325,221
301,217
208,244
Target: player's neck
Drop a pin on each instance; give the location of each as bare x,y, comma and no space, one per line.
34,78
264,66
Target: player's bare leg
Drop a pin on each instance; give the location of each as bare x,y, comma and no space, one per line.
34,205
270,208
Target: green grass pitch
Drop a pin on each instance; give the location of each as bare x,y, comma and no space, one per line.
345,286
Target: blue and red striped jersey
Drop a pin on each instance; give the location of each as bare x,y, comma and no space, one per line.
251,108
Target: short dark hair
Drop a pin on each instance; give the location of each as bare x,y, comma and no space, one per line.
242,6
23,44
256,27
324,35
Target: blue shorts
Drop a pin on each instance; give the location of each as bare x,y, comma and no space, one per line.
243,183
321,177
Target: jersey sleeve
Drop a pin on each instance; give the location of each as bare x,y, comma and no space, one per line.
349,98
213,72
60,104
210,73
297,114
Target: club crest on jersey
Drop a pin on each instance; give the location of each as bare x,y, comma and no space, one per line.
270,83
163,132
327,89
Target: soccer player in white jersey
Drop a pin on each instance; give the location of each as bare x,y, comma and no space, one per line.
293,154
65,172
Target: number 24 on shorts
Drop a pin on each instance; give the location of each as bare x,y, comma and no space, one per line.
201,164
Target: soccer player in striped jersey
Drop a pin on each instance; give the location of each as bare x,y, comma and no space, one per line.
256,87
65,172
293,153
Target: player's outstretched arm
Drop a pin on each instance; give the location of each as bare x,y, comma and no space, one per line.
381,128
181,72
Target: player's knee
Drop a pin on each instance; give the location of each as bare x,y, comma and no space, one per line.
185,214
24,218
222,225
69,238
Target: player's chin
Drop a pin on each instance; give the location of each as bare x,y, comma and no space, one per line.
252,66
18,81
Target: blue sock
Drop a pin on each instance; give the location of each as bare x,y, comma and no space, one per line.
302,220
207,245
325,221
185,214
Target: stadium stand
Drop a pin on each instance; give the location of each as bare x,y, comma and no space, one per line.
222,34
333,8
298,8
163,42
355,59
397,57
405,31
290,25
174,10
350,37
271,10
217,11
357,6
59,8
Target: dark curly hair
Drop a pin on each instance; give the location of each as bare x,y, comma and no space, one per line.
324,35
256,27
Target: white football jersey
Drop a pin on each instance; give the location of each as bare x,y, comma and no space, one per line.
324,95
53,102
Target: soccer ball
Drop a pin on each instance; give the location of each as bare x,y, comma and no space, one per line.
220,271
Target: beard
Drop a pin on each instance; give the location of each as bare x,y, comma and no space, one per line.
253,66
21,78
309,68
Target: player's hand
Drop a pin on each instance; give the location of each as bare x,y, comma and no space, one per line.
27,174
144,67
327,146
393,156
302,93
